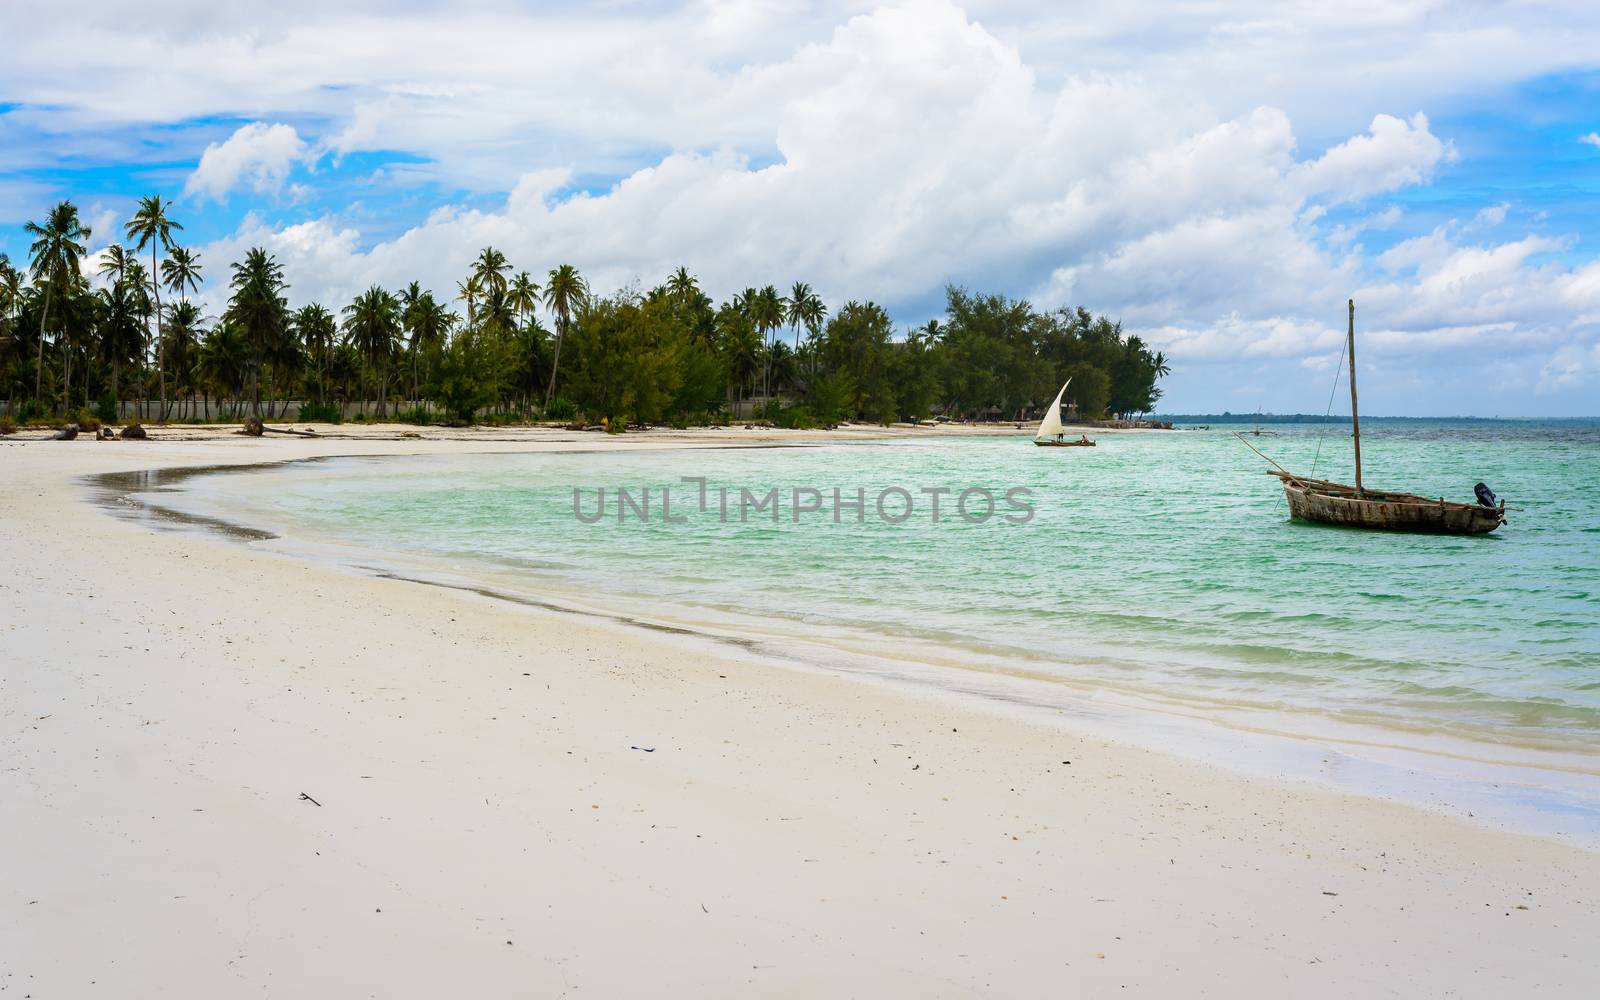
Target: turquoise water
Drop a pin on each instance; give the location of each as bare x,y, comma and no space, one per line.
1162,565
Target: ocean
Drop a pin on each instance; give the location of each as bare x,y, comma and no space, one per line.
1158,569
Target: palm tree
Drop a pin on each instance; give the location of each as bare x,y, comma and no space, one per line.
10,286
524,296
114,261
258,310
564,291
489,271
114,265
133,278
179,272
318,330
781,363
804,308
740,344
496,313
10,298
183,336
428,325
150,225
812,314
683,286
794,308
79,316
766,312
225,359
468,291
372,325
410,310
57,248
120,336
426,321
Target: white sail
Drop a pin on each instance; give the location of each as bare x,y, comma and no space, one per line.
1050,426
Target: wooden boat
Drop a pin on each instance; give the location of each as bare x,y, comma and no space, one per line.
1357,507
1052,433
1335,503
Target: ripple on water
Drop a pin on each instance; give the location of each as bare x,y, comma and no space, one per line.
1164,562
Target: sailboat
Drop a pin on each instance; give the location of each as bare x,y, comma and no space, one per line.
1051,432
1358,507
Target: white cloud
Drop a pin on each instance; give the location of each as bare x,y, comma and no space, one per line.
489,89
103,224
1491,216
1182,178
915,148
1394,154
1568,366
258,154
1592,139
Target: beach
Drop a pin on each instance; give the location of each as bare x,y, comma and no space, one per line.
228,772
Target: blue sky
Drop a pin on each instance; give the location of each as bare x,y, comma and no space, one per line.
1219,178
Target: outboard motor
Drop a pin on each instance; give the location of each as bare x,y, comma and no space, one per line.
1485,495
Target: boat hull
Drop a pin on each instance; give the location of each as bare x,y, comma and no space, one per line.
1064,444
1336,504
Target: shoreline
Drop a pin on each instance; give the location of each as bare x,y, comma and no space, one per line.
1426,764
786,832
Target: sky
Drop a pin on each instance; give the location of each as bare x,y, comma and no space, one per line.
1218,175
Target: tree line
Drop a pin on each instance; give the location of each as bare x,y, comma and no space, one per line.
505,345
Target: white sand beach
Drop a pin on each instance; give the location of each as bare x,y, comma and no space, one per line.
228,773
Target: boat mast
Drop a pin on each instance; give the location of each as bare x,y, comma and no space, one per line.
1355,420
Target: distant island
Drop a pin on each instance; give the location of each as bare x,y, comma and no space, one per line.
1227,417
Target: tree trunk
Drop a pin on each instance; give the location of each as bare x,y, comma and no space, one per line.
38,371
555,365
161,369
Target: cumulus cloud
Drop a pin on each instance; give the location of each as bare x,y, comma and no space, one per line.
1592,139
1393,154
915,148
258,154
482,90
1185,180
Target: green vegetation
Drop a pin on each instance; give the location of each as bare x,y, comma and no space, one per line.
318,413
667,354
